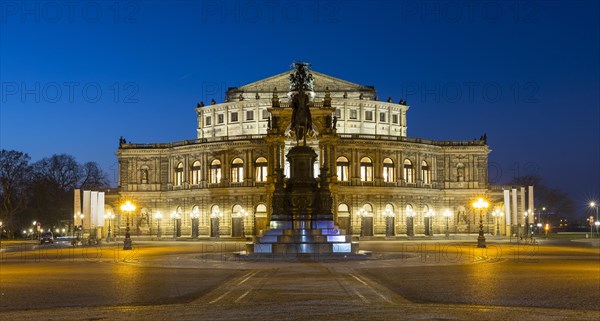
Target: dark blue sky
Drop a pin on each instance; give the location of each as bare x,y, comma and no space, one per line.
527,73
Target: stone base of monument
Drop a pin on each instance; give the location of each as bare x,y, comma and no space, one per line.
320,238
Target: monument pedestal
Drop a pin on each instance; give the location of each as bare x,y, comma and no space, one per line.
302,221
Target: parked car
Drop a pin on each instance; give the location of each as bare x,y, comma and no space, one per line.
47,237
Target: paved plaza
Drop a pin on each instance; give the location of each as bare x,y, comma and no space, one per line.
415,279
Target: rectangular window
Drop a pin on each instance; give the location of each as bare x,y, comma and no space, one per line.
395,119
234,117
207,121
382,117
265,114
368,115
353,114
220,118
338,113
250,115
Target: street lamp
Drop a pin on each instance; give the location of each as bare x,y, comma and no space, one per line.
127,207
81,226
410,220
389,221
110,216
1,235
34,229
362,213
430,215
481,204
158,217
195,222
497,214
175,217
243,214
215,217
447,215
594,205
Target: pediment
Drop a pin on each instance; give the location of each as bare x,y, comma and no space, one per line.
321,81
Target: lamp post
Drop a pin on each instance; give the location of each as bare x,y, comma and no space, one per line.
447,215
158,217
481,204
410,220
594,205
175,217
81,216
36,233
497,214
389,222
215,223
128,207
361,213
195,223
244,214
110,216
430,217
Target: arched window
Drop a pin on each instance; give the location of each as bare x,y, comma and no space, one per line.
260,166
261,208
179,174
408,171
215,171
237,170
388,170
425,172
343,208
343,167
366,169
196,173
237,210
409,210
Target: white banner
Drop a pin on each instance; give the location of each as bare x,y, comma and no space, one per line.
100,210
514,207
507,206
531,205
523,206
87,196
93,209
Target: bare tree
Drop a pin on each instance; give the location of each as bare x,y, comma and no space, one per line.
93,177
14,176
62,171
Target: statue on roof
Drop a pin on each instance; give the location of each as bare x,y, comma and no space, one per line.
301,93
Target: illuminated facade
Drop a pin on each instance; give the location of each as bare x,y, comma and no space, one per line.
383,182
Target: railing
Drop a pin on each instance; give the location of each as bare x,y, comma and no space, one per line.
193,141
343,136
415,140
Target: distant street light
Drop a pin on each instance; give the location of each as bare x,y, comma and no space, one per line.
175,217
447,215
127,207
497,214
158,217
389,222
481,204
110,216
594,205
410,221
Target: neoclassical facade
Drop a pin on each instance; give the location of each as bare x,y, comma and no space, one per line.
383,182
